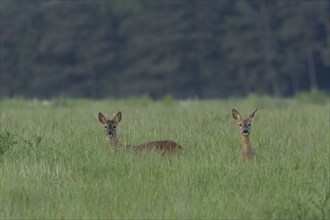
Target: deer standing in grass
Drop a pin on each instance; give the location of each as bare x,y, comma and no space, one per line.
165,146
247,151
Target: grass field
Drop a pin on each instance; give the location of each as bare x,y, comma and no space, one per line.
55,162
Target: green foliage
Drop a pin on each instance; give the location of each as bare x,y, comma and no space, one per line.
143,100
6,141
168,100
69,102
263,101
312,97
61,167
188,49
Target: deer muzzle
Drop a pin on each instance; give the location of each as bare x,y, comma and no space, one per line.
245,132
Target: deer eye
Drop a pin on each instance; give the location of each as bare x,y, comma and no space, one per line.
249,124
105,126
114,126
240,125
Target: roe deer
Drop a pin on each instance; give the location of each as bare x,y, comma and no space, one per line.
165,146
247,151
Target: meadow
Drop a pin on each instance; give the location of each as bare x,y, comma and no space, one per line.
55,162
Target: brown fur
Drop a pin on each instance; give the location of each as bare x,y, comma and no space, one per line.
164,146
247,151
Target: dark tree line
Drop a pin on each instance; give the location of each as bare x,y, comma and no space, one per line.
187,48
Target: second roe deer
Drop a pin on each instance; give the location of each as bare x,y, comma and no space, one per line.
247,151
110,125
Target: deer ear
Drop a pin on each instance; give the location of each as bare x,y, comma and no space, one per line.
253,114
117,117
102,118
236,115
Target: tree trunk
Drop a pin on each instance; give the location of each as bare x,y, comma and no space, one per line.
276,90
168,73
295,83
309,50
91,71
311,64
200,52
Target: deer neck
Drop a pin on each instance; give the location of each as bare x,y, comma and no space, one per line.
115,143
246,147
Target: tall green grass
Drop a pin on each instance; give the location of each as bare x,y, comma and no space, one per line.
55,163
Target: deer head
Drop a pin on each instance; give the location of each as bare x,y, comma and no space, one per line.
110,125
244,124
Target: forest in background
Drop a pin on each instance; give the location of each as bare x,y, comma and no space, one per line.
205,49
